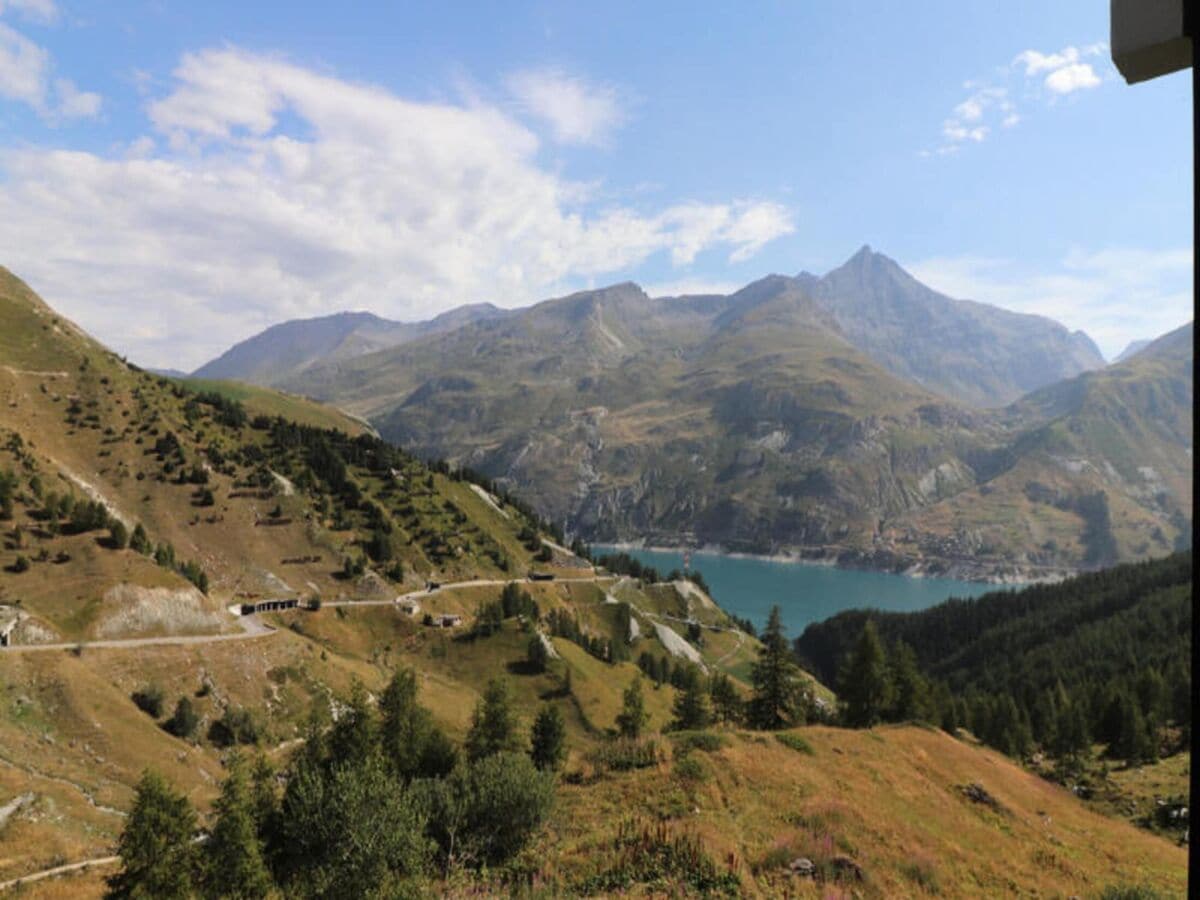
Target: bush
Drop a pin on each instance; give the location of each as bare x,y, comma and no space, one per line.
1131,892
707,741
118,535
690,768
795,742
236,726
183,721
149,699
624,754
20,564
486,811
651,854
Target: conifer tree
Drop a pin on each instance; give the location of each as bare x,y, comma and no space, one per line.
775,702
632,719
158,856
726,702
911,692
355,735
548,739
866,689
233,854
692,709
493,724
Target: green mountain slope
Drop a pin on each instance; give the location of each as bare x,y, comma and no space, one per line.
753,422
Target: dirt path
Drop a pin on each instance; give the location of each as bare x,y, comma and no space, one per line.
58,870
251,628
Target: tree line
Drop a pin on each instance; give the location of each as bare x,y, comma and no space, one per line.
1100,658
376,803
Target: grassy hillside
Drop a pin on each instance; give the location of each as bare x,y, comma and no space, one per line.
1088,681
303,512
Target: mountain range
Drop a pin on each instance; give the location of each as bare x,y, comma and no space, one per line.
859,416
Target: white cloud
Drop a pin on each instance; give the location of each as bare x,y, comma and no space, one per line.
1115,295
1075,77
991,103
37,10
576,111
25,71
280,192
24,67
684,287
74,103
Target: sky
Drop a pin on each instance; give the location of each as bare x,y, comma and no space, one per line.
177,176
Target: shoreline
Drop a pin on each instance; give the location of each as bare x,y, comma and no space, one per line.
977,573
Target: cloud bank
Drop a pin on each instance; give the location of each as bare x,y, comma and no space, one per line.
266,190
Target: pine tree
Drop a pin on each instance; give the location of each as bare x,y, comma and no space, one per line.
775,702
692,708
632,719
233,856
118,535
726,702
184,720
911,696
866,689
139,541
493,724
355,734
158,856
535,652
548,739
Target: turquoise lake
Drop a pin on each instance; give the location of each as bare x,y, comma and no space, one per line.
749,587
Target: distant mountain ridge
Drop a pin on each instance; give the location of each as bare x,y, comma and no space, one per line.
802,414
285,350
969,352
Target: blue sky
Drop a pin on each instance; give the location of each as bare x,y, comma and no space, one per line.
176,176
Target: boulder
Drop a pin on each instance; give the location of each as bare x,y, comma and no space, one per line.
803,867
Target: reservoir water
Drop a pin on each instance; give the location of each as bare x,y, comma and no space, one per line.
748,587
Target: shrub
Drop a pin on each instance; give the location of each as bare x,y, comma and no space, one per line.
651,854
707,741
236,726
183,721
1131,892
690,768
624,754
149,699
795,742
485,812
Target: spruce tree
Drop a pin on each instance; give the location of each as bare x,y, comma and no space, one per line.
632,719
549,747
775,702
726,702
354,735
866,689
910,699
158,856
184,720
493,724
692,708
233,854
